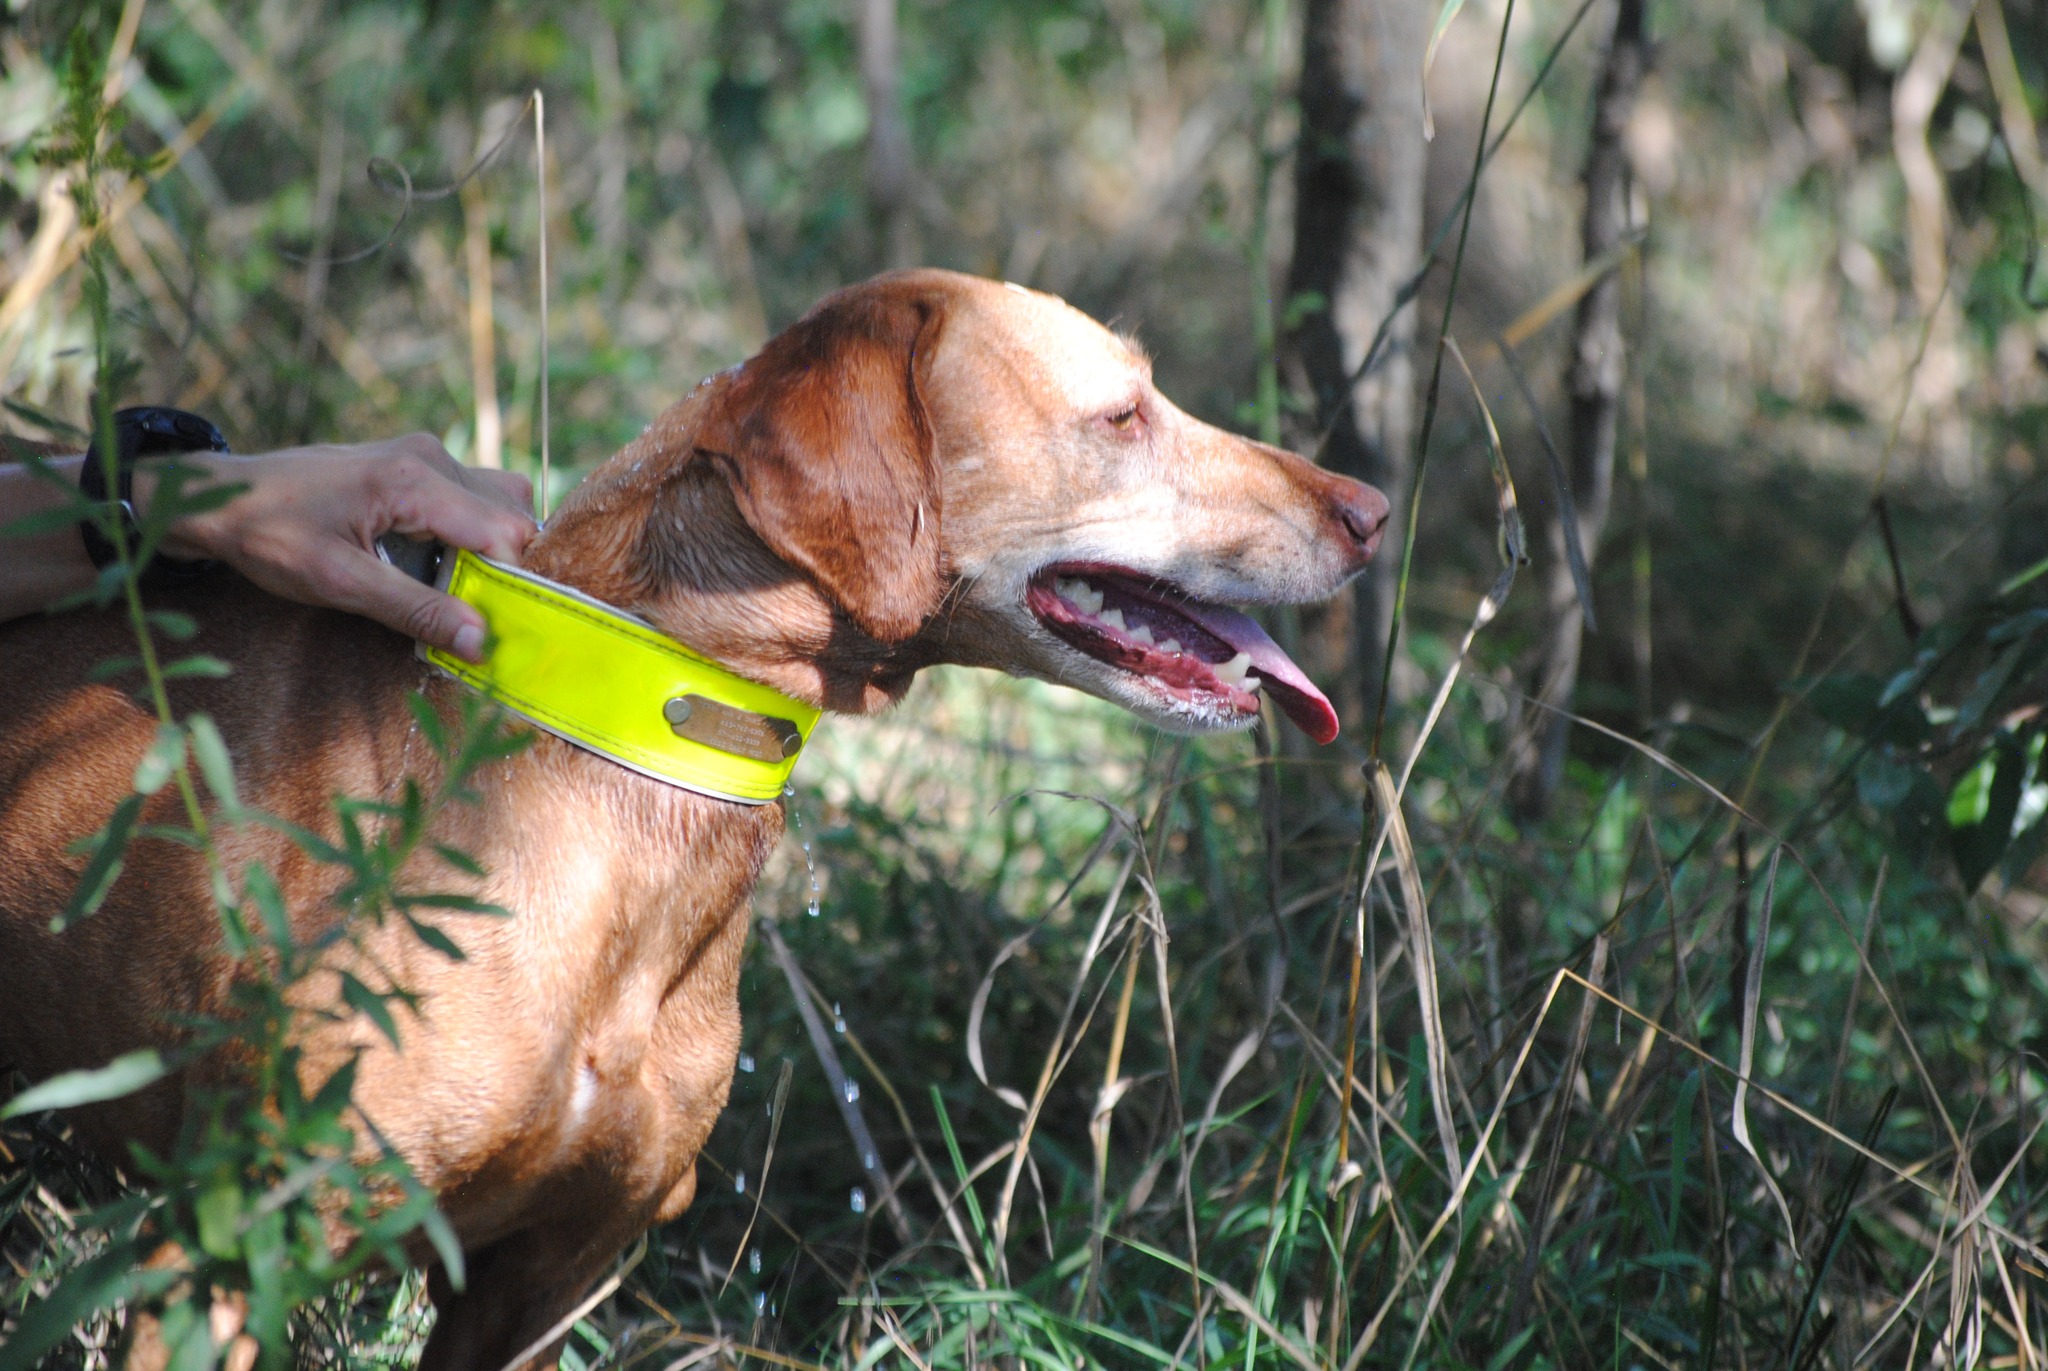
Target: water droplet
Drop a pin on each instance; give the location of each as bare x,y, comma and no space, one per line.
789,790
813,909
754,1261
747,1061
838,1019
859,1200
852,1091
867,1161
760,1302
739,1184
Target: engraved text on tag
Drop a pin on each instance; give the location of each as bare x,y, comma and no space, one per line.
763,737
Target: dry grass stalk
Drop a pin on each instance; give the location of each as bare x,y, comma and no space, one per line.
487,446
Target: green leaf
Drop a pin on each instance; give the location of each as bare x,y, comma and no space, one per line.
260,887
1992,683
369,1003
211,752
336,1091
112,667
109,848
1512,1348
1849,702
1444,16
2019,579
452,901
1970,801
162,760
1977,846
42,521
269,1260
200,665
459,859
122,1076
303,838
1301,306
446,1246
429,720
219,1213
105,1281
189,1336
45,420
173,624
436,939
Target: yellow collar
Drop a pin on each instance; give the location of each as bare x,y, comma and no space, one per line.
610,683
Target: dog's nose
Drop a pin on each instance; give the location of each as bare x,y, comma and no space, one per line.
1361,512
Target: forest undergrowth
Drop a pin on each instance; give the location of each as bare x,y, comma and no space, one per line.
1219,1053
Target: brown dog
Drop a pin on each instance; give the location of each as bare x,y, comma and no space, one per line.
926,468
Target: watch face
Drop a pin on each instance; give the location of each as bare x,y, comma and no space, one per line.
416,557
158,429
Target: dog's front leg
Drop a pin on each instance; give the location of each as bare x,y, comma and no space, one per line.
518,1290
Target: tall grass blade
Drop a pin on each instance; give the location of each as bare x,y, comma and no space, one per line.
847,1102
1435,389
1422,955
1752,994
1837,1226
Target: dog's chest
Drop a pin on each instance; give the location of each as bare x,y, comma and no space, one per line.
593,1033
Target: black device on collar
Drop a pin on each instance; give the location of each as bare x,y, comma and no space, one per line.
142,431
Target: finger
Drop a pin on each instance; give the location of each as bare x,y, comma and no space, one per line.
426,503
361,584
507,488
428,449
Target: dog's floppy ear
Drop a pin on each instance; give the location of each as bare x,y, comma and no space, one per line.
825,440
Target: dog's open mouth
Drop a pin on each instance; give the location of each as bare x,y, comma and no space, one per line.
1192,651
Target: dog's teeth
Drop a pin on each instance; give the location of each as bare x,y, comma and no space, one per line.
1232,672
1251,685
1113,617
1087,597
1066,588
1171,645
1141,634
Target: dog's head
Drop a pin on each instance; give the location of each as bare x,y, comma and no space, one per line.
932,467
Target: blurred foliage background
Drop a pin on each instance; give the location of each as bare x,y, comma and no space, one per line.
1815,573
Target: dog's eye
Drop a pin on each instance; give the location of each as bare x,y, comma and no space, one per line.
1123,419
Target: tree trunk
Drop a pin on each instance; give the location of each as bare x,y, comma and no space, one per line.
1357,237
1598,366
889,188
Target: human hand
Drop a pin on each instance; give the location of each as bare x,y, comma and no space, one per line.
307,527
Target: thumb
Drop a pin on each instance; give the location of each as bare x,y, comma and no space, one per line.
373,588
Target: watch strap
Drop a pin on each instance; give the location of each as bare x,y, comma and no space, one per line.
141,431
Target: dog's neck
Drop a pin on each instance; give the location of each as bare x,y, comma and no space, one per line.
656,531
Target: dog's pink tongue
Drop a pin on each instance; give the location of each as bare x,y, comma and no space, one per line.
1296,695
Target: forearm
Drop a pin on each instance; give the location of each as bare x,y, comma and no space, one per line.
38,569
305,526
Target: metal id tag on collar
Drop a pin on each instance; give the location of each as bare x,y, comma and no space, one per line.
763,737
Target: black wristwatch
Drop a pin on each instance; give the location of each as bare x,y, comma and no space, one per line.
139,432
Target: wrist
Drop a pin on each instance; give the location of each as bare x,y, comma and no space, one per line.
109,478
195,537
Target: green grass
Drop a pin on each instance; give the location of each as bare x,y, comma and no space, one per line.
1094,986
